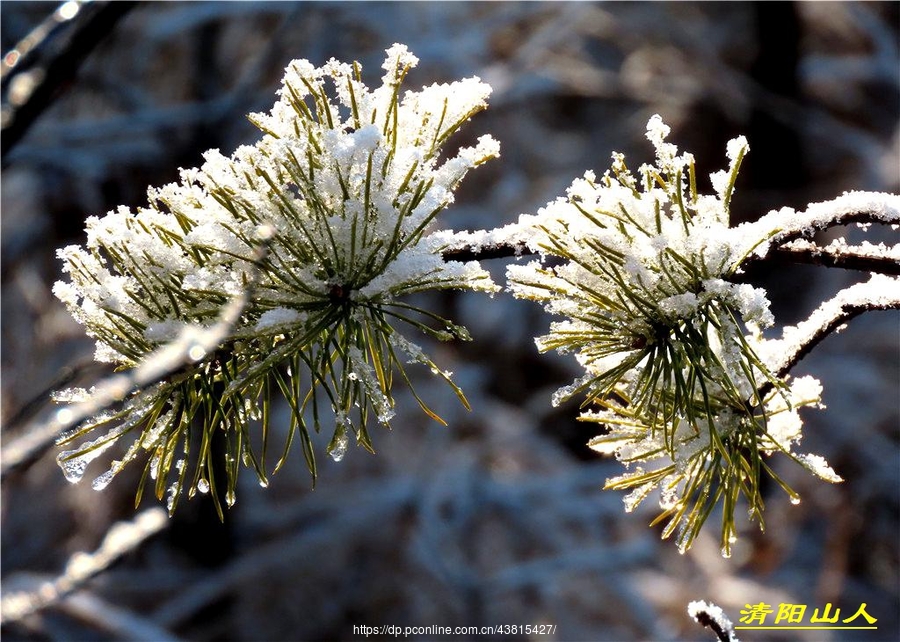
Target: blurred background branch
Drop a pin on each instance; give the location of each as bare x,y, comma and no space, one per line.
121,539
48,59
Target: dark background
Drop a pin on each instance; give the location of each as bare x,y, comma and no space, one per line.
500,518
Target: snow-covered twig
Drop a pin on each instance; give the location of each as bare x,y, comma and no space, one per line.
880,292
476,252
866,257
785,225
713,618
500,243
788,232
120,539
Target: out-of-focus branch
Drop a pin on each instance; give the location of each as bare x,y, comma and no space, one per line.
118,622
191,346
64,377
121,539
27,93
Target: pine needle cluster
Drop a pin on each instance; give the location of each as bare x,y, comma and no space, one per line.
343,190
640,266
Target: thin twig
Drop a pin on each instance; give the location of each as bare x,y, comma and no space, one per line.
120,539
846,257
486,252
850,302
865,208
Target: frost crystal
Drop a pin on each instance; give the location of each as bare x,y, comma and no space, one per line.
670,345
341,194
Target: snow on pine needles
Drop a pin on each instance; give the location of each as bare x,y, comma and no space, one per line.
294,257
669,344
343,189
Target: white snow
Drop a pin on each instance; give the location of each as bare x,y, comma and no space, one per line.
698,607
879,292
342,190
643,260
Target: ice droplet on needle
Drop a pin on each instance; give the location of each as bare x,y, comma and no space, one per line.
196,352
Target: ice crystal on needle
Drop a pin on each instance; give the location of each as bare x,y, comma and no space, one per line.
349,181
667,340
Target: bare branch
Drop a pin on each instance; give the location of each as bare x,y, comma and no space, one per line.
485,252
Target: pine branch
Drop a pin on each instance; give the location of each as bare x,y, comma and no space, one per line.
190,347
319,331
641,264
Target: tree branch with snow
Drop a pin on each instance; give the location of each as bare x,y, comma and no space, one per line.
347,182
344,192
693,398
713,617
